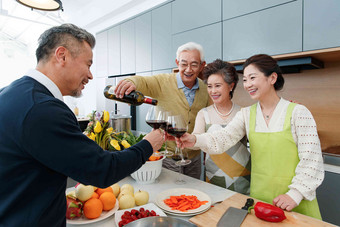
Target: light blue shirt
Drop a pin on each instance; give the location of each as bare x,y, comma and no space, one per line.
189,93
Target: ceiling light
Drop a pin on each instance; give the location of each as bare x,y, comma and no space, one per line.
47,5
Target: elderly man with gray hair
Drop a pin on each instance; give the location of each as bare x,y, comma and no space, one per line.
181,93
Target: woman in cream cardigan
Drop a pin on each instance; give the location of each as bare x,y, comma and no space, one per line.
231,169
286,158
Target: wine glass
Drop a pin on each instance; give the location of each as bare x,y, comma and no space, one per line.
178,156
177,127
156,119
166,152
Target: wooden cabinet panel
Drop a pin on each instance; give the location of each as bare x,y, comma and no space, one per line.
277,30
189,14
162,55
233,8
128,49
321,23
210,37
143,42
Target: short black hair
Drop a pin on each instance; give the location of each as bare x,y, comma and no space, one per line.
66,35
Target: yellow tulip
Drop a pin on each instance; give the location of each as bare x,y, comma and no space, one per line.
106,116
92,136
115,144
109,130
98,128
125,144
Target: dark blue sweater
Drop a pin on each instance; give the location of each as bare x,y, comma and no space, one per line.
40,145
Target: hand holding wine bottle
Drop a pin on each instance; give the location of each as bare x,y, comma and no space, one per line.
134,98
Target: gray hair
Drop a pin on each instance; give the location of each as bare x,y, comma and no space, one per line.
66,35
190,46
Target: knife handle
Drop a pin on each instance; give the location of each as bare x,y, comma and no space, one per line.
248,204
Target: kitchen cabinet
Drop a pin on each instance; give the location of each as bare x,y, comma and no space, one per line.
128,49
321,24
113,51
100,99
162,55
101,55
237,8
183,21
141,111
277,30
210,37
143,42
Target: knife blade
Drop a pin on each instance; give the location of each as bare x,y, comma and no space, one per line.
233,217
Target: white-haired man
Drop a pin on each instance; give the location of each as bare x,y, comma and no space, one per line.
180,93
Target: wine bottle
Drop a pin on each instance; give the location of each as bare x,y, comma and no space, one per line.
135,98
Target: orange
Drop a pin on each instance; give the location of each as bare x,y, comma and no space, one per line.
102,190
93,208
108,199
95,195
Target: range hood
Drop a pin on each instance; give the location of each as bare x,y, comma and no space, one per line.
293,65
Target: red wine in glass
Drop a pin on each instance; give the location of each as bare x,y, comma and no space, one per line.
156,124
176,132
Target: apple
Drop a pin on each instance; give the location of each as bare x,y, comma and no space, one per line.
141,197
115,189
128,187
84,192
126,201
125,192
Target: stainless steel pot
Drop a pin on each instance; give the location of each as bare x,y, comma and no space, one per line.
121,123
160,222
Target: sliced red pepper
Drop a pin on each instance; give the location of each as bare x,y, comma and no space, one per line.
268,212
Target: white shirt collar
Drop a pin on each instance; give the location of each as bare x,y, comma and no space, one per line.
47,82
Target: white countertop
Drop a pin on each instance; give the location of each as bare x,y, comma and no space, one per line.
166,181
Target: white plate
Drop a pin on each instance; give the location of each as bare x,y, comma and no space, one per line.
149,206
185,214
83,220
183,191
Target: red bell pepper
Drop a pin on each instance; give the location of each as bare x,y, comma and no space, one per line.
269,212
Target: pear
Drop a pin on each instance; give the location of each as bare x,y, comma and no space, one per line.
84,192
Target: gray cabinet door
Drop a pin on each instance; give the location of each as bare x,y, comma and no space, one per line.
141,112
321,24
162,55
128,50
101,55
210,37
189,14
276,30
114,51
232,8
143,42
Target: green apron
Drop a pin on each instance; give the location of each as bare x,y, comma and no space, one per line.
274,157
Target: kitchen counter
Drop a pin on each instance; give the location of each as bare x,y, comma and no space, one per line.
166,181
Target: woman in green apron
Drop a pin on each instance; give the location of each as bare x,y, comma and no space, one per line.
230,169
286,158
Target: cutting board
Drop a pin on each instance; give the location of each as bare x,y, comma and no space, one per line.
213,215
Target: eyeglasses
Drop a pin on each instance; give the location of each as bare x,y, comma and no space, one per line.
193,66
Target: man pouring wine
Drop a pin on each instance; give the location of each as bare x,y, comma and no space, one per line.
181,93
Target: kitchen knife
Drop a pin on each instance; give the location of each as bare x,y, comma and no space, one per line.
233,217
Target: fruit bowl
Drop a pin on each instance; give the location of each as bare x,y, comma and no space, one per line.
148,172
